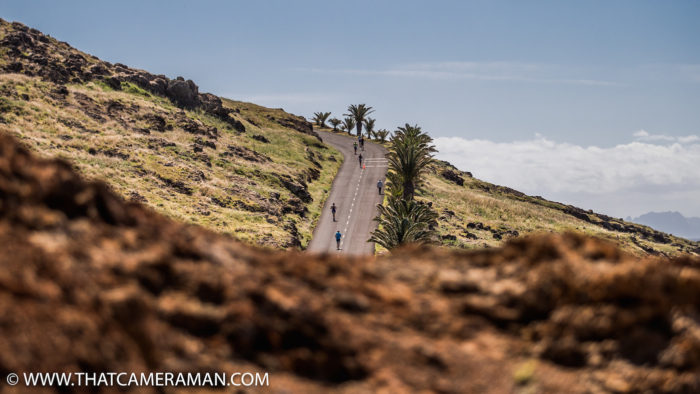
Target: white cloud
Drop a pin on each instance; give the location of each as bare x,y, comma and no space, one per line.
624,175
643,135
483,71
689,139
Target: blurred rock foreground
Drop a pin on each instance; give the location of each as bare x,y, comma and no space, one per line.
90,282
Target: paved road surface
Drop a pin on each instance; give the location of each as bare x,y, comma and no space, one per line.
354,192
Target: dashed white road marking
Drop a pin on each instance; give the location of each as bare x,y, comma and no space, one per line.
347,223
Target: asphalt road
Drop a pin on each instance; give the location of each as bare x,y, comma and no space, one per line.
354,192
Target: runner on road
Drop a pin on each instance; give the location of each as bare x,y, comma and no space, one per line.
337,239
333,209
354,145
362,143
360,158
379,186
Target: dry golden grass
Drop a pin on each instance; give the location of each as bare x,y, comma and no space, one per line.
132,162
505,213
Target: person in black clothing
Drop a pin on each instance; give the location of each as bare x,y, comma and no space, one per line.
333,210
360,158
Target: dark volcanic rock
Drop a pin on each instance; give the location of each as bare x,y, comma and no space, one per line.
261,138
114,83
178,186
212,104
245,153
155,122
299,189
453,176
183,93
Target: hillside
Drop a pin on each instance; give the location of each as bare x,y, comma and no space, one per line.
475,214
92,283
259,174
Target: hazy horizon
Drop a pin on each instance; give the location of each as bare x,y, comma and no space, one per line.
590,104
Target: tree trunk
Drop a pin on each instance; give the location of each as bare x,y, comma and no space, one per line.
359,128
408,191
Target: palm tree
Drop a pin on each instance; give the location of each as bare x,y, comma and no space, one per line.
402,222
359,113
348,124
369,126
320,118
335,122
381,134
409,157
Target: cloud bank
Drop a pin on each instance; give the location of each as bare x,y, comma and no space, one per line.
481,71
653,172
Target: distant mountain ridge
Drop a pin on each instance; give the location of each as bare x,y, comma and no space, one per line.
671,222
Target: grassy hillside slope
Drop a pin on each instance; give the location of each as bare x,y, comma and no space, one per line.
477,214
259,174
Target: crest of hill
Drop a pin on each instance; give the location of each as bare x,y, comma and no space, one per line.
476,214
91,282
260,174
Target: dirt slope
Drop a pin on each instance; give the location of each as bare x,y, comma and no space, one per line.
90,282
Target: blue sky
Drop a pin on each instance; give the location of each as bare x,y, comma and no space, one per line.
532,84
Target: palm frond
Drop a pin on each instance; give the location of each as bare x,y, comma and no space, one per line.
402,222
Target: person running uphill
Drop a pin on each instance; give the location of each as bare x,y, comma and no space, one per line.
379,186
337,239
360,158
354,145
333,209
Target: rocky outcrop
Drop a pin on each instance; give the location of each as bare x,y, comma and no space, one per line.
298,188
245,154
453,176
184,93
32,53
84,273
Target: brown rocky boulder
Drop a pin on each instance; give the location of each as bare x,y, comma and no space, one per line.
183,93
453,176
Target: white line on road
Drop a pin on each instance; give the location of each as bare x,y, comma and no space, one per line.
345,230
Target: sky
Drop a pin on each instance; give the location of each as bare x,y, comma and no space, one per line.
594,103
